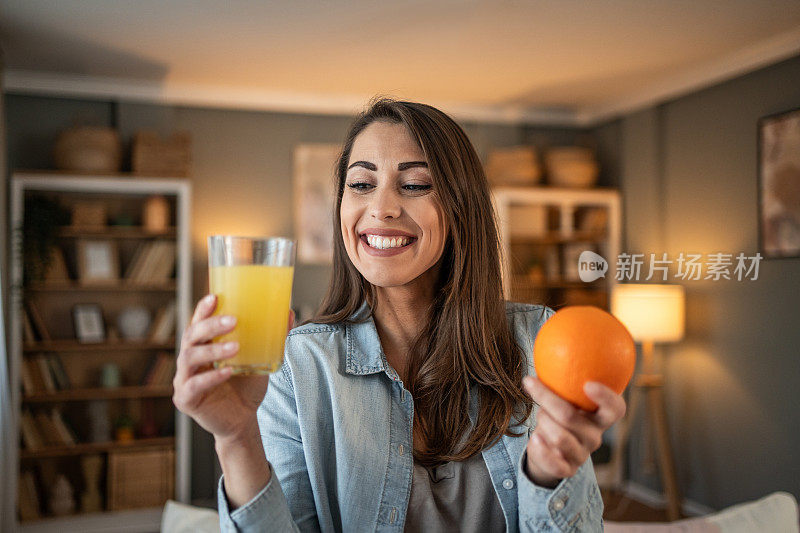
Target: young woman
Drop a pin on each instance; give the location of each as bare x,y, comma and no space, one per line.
404,404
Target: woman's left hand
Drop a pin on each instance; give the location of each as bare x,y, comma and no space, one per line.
565,435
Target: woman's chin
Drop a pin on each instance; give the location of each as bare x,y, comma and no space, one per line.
386,280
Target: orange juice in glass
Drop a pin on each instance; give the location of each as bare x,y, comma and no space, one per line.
252,278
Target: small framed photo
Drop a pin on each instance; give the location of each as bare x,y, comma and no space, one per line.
779,185
98,261
89,325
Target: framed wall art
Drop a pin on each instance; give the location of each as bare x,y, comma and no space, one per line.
779,185
314,178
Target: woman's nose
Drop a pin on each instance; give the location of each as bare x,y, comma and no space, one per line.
385,204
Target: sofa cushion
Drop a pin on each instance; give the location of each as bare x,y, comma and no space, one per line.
181,518
776,512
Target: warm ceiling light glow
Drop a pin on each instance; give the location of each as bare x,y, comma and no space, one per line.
650,312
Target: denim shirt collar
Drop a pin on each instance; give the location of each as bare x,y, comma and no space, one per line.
364,352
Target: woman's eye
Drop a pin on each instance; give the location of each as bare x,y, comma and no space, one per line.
416,187
359,185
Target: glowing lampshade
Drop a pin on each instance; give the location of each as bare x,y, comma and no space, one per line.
652,313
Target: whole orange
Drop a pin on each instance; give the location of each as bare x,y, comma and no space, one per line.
583,343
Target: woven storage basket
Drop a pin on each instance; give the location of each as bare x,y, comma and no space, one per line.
140,478
571,166
89,150
153,156
515,165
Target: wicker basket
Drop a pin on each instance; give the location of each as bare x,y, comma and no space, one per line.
152,156
88,150
516,165
140,478
571,166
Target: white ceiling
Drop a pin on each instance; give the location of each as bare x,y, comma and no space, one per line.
568,61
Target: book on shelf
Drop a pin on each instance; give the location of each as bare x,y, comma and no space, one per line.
164,267
57,267
38,320
164,378
44,371
29,504
28,386
63,429
42,429
153,262
59,373
34,373
28,335
47,429
159,371
135,264
163,326
31,438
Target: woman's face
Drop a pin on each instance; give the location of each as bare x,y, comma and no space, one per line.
392,223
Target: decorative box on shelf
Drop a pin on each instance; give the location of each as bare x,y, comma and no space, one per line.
139,479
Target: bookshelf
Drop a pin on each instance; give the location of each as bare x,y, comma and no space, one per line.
67,383
543,230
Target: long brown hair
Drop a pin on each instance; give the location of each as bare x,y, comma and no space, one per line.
467,341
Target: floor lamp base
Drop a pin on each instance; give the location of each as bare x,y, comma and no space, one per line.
648,388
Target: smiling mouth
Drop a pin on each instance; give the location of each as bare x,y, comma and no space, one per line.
384,243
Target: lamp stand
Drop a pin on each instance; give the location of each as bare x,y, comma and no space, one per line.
649,386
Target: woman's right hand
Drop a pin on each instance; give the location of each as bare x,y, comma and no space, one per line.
222,406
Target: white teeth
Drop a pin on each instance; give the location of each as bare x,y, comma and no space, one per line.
386,242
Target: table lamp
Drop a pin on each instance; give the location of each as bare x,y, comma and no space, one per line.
652,313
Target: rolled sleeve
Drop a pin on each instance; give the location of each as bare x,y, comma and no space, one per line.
266,511
573,505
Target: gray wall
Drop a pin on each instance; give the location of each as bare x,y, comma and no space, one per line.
689,180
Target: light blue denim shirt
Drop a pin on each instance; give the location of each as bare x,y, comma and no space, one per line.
336,427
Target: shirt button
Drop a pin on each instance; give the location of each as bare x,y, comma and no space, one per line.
402,395
393,515
400,449
508,484
558,505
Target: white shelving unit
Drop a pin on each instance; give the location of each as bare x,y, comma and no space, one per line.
120,188
544,226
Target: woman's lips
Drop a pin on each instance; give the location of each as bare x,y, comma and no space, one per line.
385,252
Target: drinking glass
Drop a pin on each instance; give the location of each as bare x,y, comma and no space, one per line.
252,278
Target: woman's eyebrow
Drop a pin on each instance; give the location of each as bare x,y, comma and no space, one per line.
401,166
412,164
365,164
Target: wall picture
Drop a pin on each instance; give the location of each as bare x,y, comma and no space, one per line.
314,170
779,184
